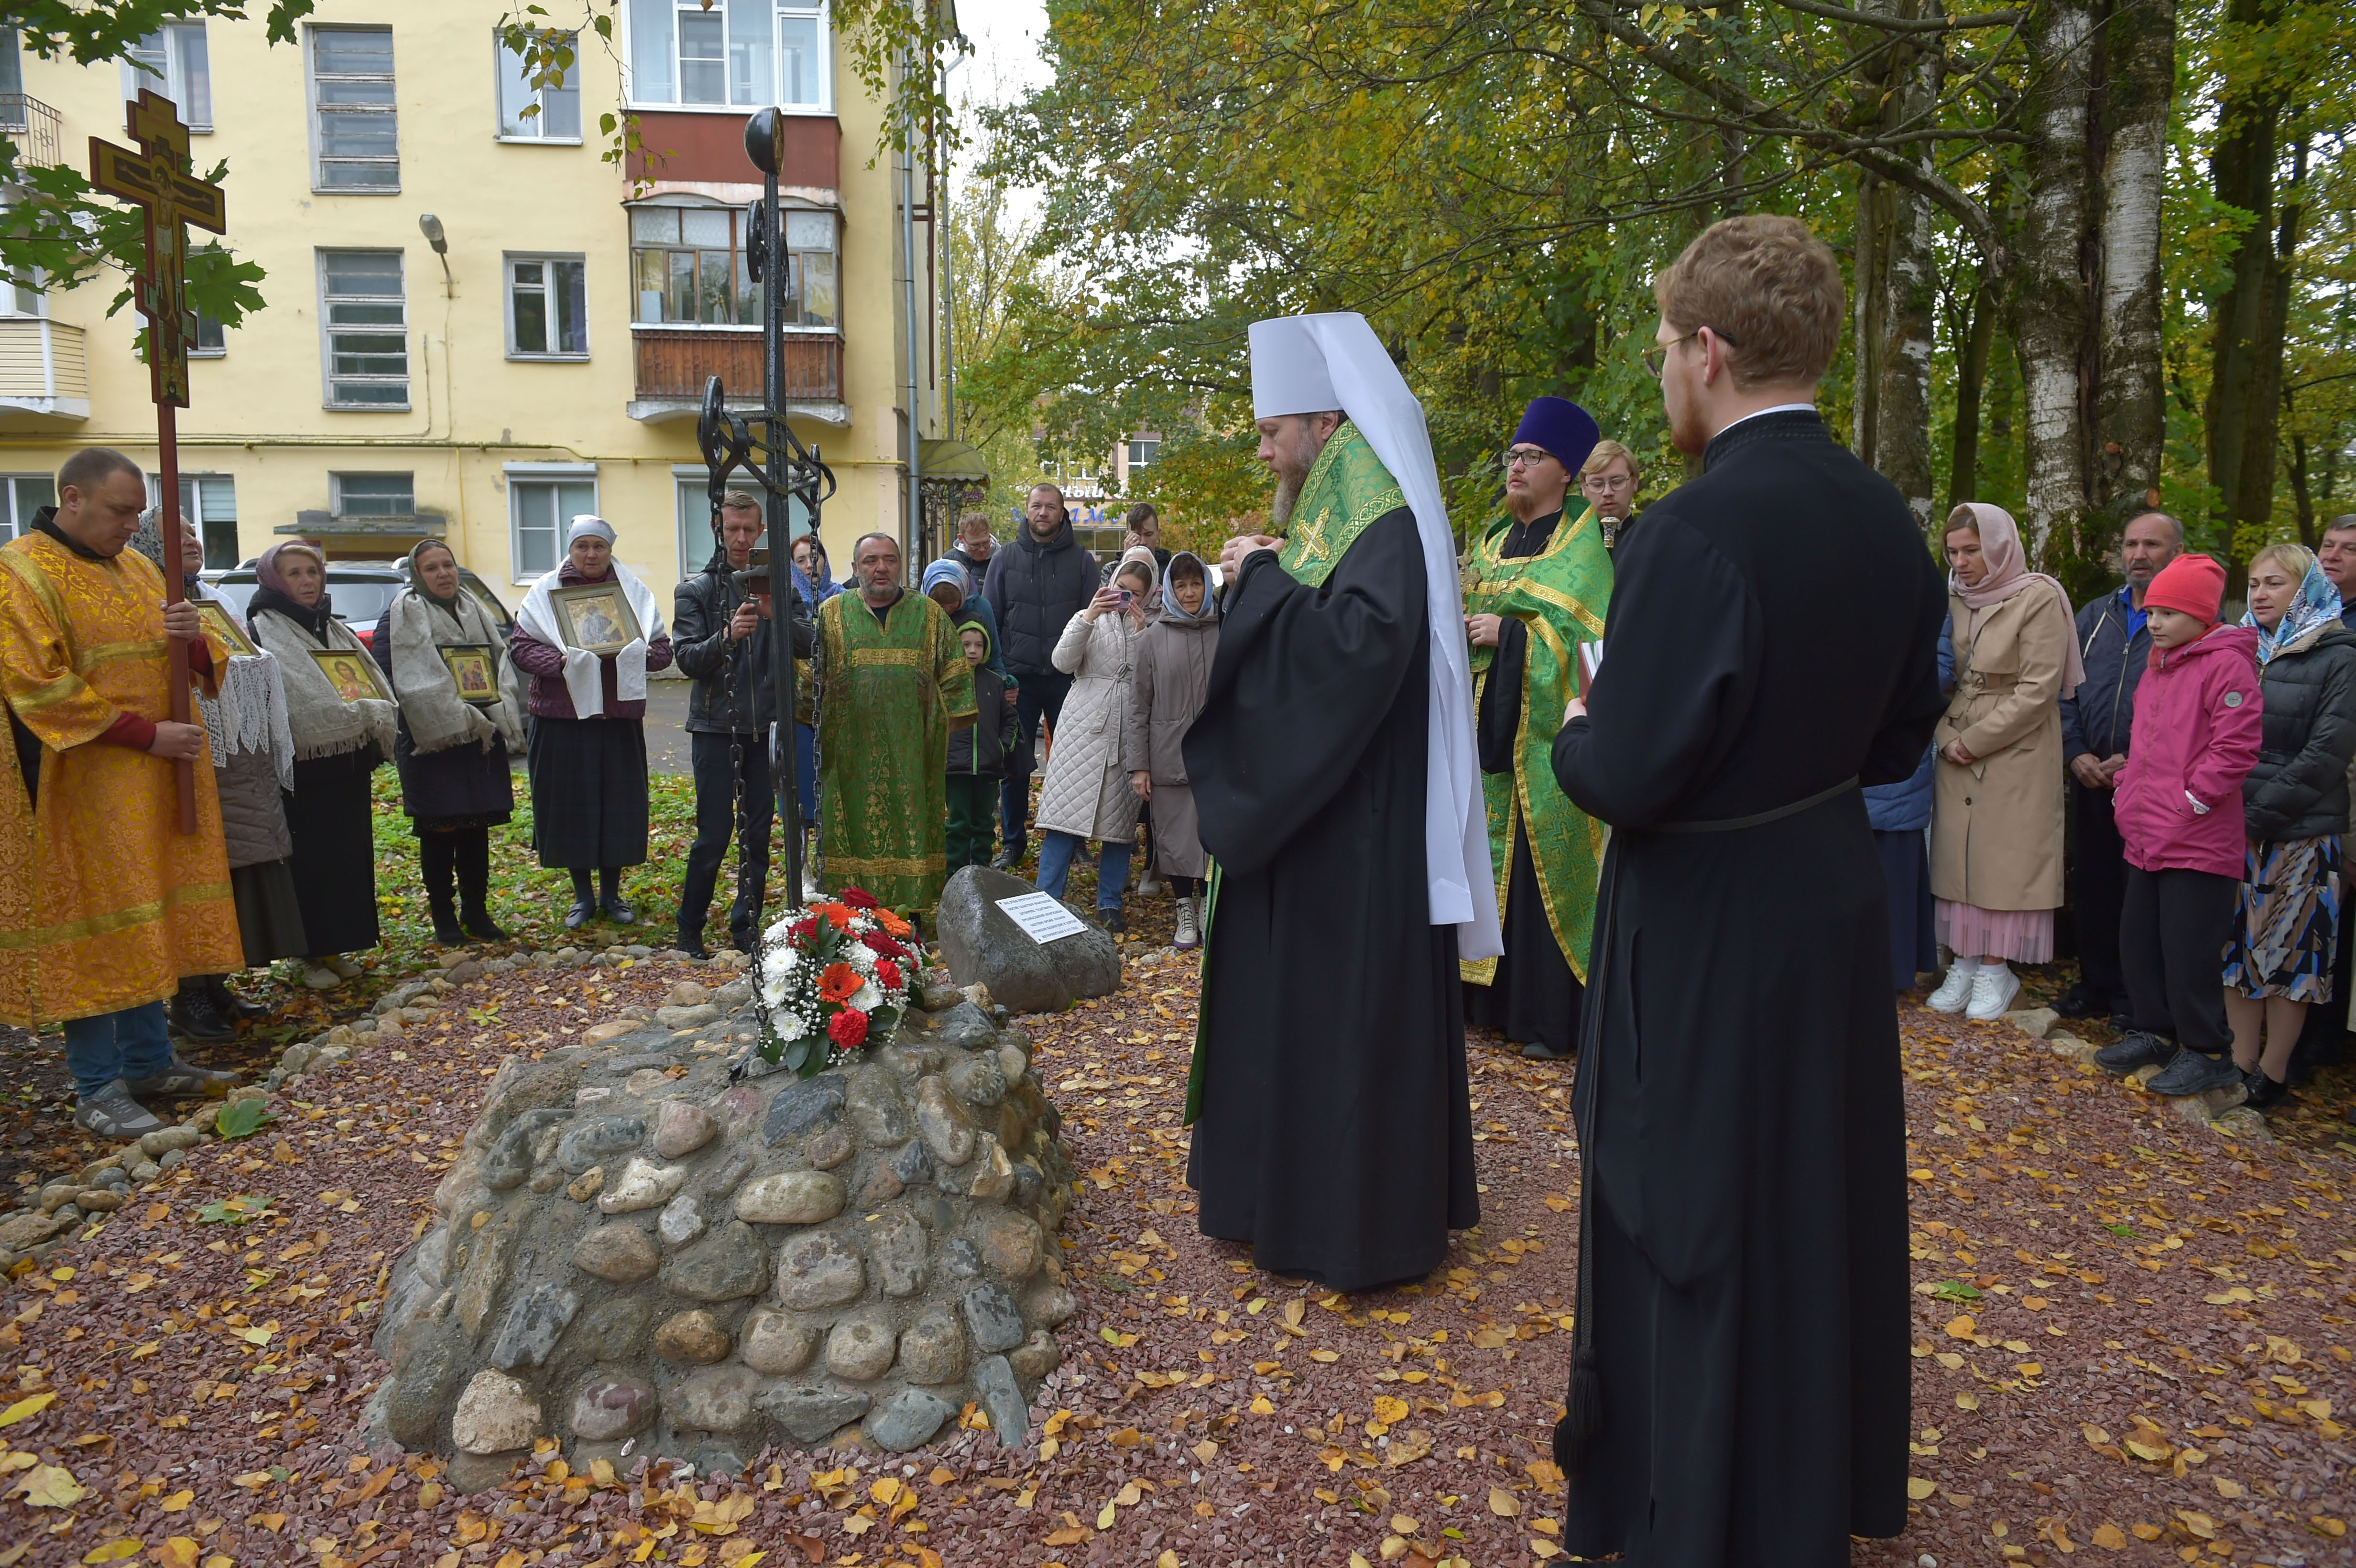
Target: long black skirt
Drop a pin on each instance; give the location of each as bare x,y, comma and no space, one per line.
588,792
269,912
459,787
1533,999
335,851
1906,866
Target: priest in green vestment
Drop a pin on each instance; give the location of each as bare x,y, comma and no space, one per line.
1537,583
893,683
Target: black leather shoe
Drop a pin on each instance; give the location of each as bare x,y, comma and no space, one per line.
194,1018
230,1005
2264,1090
480,925
578,915
619,912
448,933
1112,920
2076,1004
1006,859
2137,1049
693,947
2194,1073
746,942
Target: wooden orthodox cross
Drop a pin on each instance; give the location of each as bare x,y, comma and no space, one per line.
159,180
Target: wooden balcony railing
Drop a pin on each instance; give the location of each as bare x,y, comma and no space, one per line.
673,363
32,125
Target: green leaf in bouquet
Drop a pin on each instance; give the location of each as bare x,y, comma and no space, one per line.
880,1022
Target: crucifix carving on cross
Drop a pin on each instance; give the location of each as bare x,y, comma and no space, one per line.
160,181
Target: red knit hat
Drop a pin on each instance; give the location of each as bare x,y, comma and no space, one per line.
2193,583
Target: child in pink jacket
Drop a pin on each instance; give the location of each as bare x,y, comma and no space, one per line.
2179,808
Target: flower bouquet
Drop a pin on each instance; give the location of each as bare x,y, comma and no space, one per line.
832,977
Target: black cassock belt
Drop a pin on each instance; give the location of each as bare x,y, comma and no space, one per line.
1733,824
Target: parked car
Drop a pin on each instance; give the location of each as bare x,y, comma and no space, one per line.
361,590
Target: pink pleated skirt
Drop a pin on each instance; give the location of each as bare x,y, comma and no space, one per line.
2017,935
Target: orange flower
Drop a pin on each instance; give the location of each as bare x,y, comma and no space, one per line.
838,983
838,913
892,922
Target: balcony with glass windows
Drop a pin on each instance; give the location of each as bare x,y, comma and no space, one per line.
43,374
697,313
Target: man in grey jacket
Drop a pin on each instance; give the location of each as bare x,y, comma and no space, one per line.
1036,585
2096,720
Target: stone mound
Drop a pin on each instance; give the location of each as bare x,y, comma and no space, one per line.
638,1258
979,943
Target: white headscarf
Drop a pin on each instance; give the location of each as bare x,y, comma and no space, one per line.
583,681
1309,364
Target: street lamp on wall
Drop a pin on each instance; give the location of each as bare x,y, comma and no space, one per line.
430,226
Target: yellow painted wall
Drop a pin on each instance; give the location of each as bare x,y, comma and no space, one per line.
257,414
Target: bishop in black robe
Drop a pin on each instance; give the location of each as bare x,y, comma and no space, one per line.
1743,1246
1335,1132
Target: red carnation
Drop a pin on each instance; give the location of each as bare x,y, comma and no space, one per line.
887,974
857,898
848,1028
883,946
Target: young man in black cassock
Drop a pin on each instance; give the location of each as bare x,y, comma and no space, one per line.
1739,1387
1339,793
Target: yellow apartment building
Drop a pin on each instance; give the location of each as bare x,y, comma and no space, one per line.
547,356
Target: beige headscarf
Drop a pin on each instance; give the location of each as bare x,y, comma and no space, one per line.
2007,574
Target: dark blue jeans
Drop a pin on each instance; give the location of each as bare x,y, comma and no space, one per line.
715,819
128,1044
1039,697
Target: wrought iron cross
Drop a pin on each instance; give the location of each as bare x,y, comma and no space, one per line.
159,180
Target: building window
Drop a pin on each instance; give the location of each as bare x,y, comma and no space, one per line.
687,265
206,338
548,311
366,321
12,80
692,483
172,60
21,495
529,113
355,129
541,505
732,51
372,494
209,501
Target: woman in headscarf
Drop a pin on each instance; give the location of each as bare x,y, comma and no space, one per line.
588,750
2295,807
812,575
338,742
1169,676
1087,794
454,745
1995,834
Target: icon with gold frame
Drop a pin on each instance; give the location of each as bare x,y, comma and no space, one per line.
222,625
474,670
352,674
596,617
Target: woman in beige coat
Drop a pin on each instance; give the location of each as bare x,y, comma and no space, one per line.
1996,830
1087,794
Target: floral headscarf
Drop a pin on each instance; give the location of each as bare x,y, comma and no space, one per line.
2317,604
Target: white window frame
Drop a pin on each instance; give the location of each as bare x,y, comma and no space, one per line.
337,480
194,506
19,519
500,54
319,142
520,475
328,376
821,10
691,499
547,290
174,83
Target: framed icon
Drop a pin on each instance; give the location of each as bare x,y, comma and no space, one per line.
353,675
474,670
596,617
222,625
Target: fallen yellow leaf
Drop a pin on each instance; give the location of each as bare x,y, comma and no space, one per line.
2110,1538
1104,1517
1328,1356
1205,1451
180,1552
113,1551
1167,1560
1259,1405
1502,1503
51,1485
177,1501
1388,1411
1918,1489
1961,1327
1128,1495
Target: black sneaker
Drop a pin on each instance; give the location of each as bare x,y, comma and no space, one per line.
2139,1049
1006,859
2076,1004
1112,920
693,947
2194,1074
231,1006
2264,1090
194,1016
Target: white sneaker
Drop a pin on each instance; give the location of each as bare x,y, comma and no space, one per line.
343,965
320,978
1189,935
1992,993
1955,989
1148,888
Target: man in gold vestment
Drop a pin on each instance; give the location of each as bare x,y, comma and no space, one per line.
104,904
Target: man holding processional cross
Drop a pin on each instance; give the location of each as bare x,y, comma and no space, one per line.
116,882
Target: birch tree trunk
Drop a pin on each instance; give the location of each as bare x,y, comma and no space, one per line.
2051,281
1910,293
2130,384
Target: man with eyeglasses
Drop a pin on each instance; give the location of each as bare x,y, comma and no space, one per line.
1537,572
1742,1247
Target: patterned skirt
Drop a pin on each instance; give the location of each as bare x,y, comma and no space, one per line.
2286,921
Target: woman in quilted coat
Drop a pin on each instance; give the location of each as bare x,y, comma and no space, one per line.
1087,794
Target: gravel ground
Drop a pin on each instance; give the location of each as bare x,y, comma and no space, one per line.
2133,1339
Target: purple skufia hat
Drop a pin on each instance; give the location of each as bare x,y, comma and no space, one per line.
1561,426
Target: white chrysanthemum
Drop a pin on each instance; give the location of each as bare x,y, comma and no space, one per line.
789,1026
862,958
867,999
772,990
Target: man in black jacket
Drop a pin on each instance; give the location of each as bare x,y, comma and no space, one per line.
1036,585
721,638
2096,721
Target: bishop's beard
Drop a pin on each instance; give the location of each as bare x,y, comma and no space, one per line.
1287,495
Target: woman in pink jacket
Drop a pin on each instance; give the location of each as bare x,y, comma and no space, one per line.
2178,806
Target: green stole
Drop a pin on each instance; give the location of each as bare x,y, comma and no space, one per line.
1560,594
1347,489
